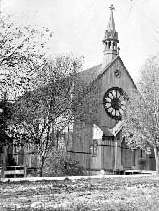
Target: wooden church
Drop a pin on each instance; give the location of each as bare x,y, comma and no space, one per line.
97,141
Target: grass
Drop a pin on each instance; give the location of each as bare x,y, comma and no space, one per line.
110,194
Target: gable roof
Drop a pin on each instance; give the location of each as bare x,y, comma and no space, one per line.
89,76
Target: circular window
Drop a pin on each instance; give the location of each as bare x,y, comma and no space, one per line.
114,102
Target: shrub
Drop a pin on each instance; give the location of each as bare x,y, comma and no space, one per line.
59,163
71,167
142,163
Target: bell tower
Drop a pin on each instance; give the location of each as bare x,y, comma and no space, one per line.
110,41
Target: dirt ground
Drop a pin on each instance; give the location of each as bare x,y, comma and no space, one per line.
114,193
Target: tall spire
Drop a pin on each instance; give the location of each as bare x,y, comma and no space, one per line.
111,23
110,40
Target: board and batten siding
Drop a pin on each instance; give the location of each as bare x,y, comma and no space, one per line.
82,138
108,80
94,113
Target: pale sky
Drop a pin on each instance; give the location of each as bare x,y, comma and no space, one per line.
79,27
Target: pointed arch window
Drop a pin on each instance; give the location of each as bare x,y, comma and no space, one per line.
94,148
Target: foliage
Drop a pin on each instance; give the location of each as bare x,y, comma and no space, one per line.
41,115
5,114
59,163
43,88
86,100
22,55
142,115
142,162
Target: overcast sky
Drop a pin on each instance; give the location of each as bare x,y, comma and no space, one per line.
79,27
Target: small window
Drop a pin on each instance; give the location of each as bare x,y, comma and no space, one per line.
117,73
15,148
134,157
109,44
141,154
95,148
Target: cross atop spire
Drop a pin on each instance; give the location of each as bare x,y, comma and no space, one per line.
111,33
111,23
110,39
111,7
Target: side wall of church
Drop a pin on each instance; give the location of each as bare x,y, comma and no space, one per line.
86,116
82,138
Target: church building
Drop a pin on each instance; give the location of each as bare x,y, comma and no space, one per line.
97,141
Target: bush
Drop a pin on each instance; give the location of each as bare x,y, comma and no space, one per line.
142,163
59,163
71,167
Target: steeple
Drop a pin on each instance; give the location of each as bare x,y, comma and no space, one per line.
110,41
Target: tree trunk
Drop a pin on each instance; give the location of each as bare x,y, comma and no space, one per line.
4,157
41,171
41,167
156,151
